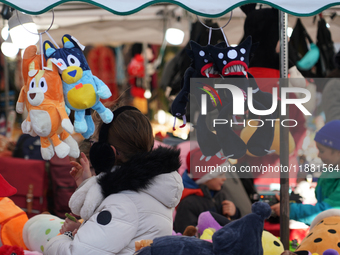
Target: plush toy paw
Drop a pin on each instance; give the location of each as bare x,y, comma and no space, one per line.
26,127
106,116
74,148
67,125
47,153
62,150
104,92
80,126
19,107
90,127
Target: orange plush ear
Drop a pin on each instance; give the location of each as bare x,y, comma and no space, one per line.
30,55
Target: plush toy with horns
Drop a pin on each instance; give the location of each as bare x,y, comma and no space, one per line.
82,90
47,116
232,62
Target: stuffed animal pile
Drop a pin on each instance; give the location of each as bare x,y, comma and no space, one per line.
242,236
232,63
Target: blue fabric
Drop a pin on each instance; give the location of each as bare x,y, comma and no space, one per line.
328,135
188,182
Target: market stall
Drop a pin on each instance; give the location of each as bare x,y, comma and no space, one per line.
211,9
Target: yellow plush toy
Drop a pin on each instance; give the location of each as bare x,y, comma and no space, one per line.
271,244
248,131
324,234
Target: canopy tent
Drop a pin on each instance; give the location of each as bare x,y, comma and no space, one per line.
212,8
104,27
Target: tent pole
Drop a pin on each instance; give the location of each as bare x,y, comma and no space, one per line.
284,146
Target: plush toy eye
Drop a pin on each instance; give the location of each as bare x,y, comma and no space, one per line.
73,61
202,53
43,84
32,84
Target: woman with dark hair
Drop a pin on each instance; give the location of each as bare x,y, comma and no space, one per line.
133,195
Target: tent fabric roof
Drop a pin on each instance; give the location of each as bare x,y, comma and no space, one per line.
211,8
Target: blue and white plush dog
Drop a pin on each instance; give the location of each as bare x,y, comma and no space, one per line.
81,89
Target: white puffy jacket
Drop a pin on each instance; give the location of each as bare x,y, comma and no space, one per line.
130,213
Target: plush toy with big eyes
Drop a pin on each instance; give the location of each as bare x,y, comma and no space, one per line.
46,109
232,63
81,89
202,66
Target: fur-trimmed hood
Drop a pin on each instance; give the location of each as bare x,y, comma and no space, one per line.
138,173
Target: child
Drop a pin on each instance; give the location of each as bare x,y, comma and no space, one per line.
327,191
131,197
203,192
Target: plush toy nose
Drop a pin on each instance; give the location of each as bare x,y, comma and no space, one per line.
32,95
72,73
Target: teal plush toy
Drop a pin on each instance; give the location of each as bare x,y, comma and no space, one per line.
82,90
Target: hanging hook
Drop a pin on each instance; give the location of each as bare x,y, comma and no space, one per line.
216,28
40,35
33,32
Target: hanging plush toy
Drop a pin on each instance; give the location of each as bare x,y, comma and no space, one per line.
30,55
46,109
232,63
202,66
82,90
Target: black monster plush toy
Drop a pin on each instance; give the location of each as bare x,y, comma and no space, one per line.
224,61
232,63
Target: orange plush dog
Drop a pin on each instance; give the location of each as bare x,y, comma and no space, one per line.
29,56
46,107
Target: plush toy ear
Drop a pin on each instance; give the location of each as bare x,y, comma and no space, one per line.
221,45
32,70
71,42
49,49
51,66
67,42
248,8
246,43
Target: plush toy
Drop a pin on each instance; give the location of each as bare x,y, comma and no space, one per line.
46,110
209,222
81,89
232,63
242,236
39,229
202,66
271,244
30,55
324,234
12,218
11,250
248,131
